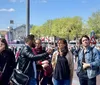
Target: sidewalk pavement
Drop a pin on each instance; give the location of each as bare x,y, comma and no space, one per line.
75,79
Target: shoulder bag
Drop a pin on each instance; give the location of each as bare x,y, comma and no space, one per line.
18,77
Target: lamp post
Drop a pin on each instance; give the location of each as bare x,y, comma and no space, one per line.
28,17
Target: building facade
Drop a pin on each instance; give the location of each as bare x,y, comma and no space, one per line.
16,34
19,32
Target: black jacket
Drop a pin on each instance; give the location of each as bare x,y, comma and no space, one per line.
7,56
26,56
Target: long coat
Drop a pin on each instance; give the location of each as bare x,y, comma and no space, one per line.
7,56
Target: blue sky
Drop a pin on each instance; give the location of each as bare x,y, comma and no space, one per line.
43,10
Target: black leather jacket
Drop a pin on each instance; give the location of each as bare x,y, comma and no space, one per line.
26,56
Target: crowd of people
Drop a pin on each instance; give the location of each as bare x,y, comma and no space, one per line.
50,66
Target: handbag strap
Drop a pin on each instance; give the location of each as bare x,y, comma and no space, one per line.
17,67
4,67
27,67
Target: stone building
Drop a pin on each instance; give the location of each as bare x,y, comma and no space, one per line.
16,34
19,32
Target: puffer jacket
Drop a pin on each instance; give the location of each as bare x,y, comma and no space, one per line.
69,57
26,56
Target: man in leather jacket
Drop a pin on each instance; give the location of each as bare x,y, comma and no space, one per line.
26,56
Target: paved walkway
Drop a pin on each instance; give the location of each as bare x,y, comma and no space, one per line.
75,79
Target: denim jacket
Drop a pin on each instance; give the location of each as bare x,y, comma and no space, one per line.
93,58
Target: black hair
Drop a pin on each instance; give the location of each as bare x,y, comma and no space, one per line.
3,40
29,37
82,38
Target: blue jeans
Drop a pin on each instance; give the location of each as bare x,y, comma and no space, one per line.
32,81
60,82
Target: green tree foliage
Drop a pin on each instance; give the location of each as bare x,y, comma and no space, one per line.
61,27
35,30
94,22
85,29
46,28
75,27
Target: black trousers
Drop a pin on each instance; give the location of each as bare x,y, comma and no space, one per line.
87,81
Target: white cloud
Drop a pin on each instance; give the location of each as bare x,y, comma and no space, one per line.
21,0
7,10
44,1
16,1
11,10
93,9
84,1
12,0
40,1
36,1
